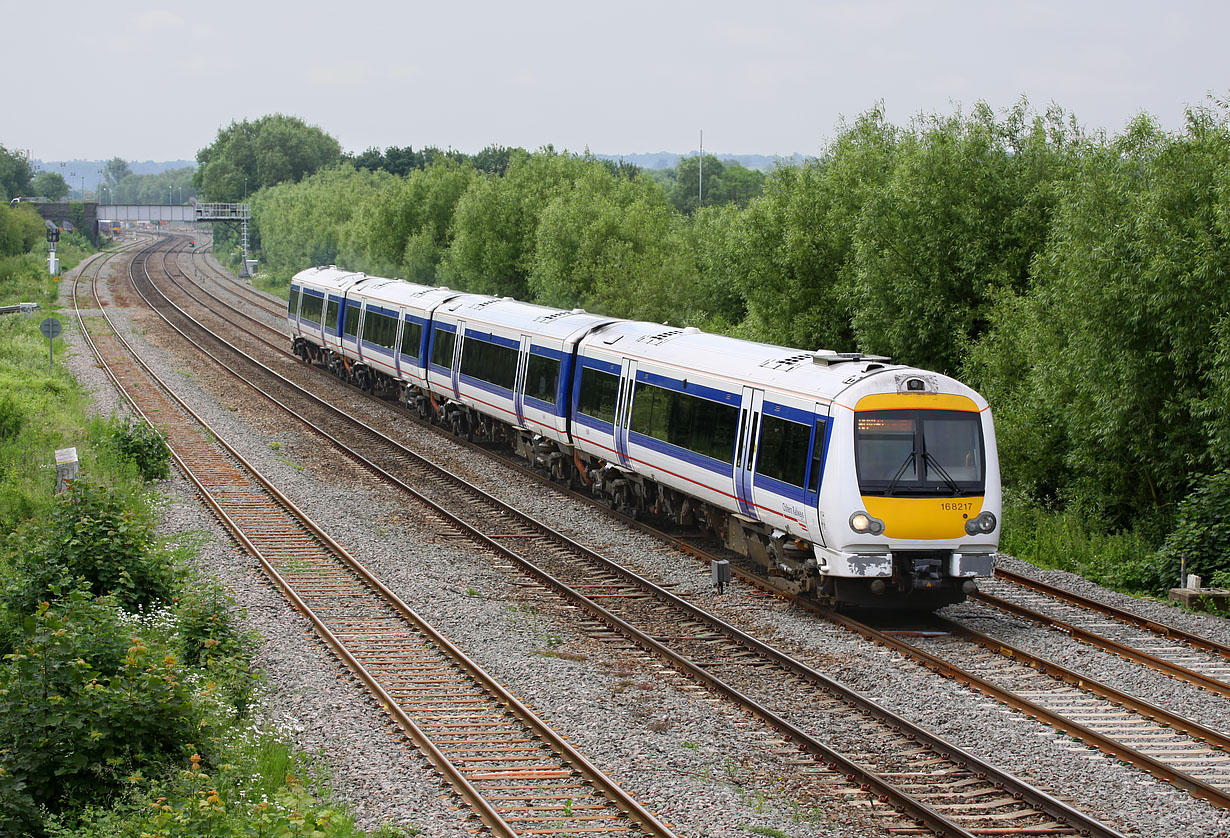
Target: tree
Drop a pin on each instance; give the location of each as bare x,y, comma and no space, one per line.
50,185
115,170
15,174
248,156
790,253
496,220
310,222
1119,373
614,246
407,227
963,212
21,229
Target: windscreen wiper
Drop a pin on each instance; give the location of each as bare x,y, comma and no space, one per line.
892,484
935,464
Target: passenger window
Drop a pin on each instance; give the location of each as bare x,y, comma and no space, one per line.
490,362
311,308
350,323
442,348
379,329
542,378
411,337
690,422
817,458
330,319
783,450
599,391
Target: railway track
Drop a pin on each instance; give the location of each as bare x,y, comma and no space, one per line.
1165,648
911,777
1168,746
514,772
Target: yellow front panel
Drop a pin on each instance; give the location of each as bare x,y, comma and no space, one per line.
916,401
923,518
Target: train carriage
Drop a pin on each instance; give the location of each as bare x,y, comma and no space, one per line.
392,336
510,362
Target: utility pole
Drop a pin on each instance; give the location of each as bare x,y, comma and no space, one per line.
700,183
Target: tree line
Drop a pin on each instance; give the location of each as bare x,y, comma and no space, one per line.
1076,278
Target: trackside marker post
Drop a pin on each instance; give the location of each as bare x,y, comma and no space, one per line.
51,329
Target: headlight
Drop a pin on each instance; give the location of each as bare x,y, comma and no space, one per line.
863,523
983,524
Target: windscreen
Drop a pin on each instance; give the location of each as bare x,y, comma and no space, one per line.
919,452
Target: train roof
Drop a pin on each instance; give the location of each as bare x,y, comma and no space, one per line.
817,373
328,277
529,318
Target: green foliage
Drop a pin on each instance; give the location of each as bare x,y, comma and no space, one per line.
78,715
115,170
496,222
49,185
15,174
406,228
791,251
96,534
209,635
144,446
961,216
1067,539
171,186
309,223
1201,534
611,245
1117,341
249,156
21,230
724,183
403,161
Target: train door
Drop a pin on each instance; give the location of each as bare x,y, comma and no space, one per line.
358,332
623,410
401,327
746,446
457,350
523,362
815,471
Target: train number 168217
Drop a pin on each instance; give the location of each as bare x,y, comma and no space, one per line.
958,506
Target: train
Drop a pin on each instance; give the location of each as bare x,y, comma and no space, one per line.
843,476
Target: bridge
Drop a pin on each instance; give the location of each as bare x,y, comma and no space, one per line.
91,214
186,213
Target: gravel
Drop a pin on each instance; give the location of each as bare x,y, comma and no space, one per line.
693,760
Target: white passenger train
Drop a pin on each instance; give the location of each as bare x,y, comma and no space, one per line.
860,481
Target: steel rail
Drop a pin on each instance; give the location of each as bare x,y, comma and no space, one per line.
1170,632
1106,644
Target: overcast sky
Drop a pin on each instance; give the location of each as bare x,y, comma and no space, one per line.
156,82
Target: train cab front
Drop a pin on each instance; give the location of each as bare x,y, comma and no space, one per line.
916,522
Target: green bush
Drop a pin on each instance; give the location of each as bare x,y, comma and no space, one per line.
1201,533
93,533
143,445
78,716
1071,540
